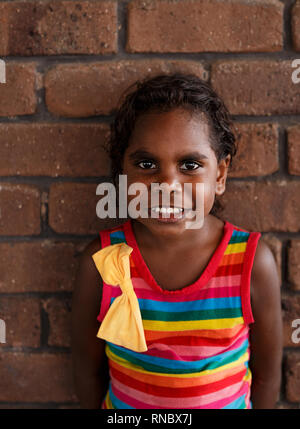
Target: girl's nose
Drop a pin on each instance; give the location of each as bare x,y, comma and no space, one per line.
170,183
170,177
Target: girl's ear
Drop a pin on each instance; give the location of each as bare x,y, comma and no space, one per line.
222,175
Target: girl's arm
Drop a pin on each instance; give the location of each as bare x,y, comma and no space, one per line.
266,331
90,369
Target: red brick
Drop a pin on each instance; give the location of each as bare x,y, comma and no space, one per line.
294,264
293,134
292,373
296,25
206,26
68,407
24,406
55,28
17,95
276,248
22,319
72,209
39,266
59,316
36,377
53,150
261,87
80,90
257,153
291,312
263,206
285,406
20,209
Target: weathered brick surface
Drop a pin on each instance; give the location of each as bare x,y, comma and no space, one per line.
68,407
36,377
271,206
296,25
206,26
292,373
54,28
20,209
257,150
53,150
286,406
81,90
59,316
17,95
24,406
72,209
294,264
291,312
293,134
22,319
250,87
39,266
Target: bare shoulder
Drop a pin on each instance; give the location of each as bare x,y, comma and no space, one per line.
265,282
86,263
87,349
88,283
91,248
87,295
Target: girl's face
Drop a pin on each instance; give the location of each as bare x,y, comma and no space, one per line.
173,148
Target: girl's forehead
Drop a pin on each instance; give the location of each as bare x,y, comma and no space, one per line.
174,119
172,130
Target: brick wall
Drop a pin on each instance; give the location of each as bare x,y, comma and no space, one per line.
66,64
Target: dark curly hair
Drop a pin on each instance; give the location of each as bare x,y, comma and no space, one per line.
164,93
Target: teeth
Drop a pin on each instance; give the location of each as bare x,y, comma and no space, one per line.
167,210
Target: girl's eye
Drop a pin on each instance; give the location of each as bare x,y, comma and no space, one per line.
191,165
146,164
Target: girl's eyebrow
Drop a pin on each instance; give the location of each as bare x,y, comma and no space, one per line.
139,154
187,156
193,155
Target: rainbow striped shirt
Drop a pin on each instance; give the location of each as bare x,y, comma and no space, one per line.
197,337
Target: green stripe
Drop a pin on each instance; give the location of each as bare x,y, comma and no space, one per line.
238,239
168,316
160,369
115,240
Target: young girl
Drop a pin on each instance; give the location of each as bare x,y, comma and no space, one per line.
165,316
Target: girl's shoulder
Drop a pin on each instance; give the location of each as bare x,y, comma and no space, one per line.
86,266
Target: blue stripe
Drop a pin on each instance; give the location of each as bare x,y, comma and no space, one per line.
199,304
117,234
198,365
236,403
235,232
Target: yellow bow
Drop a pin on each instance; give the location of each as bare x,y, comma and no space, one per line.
122,324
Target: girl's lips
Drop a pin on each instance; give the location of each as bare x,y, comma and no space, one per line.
167,217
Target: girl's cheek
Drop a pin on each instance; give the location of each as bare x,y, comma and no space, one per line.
209,197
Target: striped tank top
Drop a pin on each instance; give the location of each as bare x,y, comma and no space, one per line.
197,337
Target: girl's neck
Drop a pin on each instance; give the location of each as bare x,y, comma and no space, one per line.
191,237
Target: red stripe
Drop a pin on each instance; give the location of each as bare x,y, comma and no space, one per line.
133,272
176,392
216,292
245,280
197,341
229,270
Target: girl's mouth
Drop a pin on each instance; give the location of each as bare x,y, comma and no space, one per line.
167,214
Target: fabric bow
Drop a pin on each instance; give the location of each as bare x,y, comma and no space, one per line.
122,324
